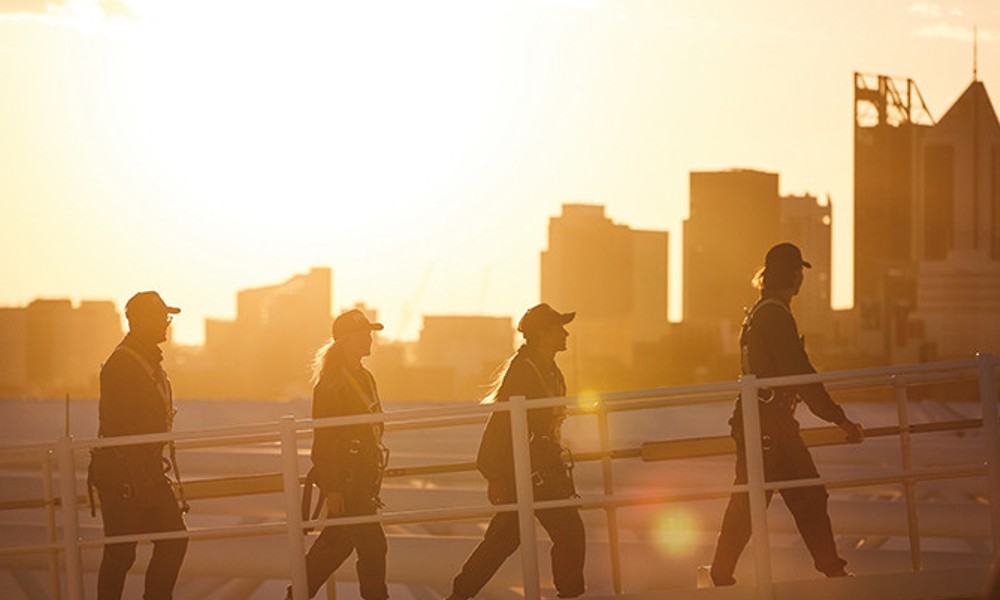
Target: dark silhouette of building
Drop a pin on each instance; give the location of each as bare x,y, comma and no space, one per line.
266,352
957,230
734,218
455,358
51,348
401,379
807,224
890,119
470,347
615,279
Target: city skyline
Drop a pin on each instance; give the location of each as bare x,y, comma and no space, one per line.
425,166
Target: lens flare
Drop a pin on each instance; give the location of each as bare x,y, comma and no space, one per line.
675,532
588,401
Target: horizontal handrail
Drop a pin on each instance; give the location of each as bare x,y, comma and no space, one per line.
444,416
595,502
288,431
265,483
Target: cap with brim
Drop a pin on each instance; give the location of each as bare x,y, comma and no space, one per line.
351,322
149,302
542,316
785,256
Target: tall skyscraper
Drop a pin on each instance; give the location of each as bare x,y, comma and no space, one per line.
734,218
890,119
807,223
271,342
957,229
615,278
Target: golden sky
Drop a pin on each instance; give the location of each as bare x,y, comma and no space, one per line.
202,146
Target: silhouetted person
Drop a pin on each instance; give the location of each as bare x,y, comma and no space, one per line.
771,347
348,461
532,373
135,493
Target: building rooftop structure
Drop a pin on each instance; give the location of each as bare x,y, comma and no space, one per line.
957,237
615,278
890,119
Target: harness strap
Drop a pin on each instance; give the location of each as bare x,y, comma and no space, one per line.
185,507
307,499
159,378
162,383
564,452
90,494
745,328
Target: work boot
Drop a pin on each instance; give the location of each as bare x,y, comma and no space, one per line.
722,581
703,577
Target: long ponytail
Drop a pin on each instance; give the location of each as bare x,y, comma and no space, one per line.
497,380
321,360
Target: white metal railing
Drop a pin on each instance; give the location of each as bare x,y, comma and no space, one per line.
288,431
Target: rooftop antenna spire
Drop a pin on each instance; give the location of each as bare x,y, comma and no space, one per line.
975,54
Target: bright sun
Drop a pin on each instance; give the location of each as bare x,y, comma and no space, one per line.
302,108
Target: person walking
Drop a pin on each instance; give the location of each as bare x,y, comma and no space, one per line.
348,460
531,372
135,493
771,347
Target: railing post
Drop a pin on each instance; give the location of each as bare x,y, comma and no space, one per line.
755,483
290,477
988,396
614,544
70,519
906,460
50,523
525,497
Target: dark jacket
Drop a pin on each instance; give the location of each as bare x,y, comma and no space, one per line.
531,377
135,399
135,392
771,347
346,454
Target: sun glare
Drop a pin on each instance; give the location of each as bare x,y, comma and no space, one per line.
588,401
675,531
250,115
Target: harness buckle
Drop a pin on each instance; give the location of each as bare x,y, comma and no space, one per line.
766,395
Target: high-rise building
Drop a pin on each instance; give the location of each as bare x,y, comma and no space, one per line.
957,229
51,347
734,218
98,331
613,277
807,223
266,351
471,347
890,119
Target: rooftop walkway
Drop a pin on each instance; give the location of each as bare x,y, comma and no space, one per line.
915,506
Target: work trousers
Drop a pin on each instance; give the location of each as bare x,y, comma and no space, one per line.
786,457
565,529
335,543
125,512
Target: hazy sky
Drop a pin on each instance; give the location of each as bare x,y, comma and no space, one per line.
202,146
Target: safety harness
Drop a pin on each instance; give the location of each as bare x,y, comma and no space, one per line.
373,406
159,378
